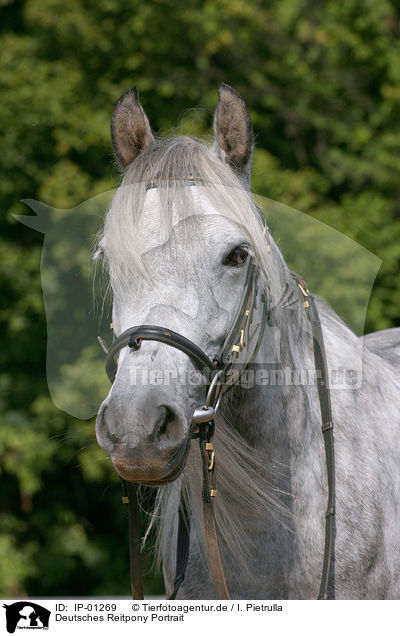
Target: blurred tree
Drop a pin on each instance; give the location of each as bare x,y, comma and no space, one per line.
322,81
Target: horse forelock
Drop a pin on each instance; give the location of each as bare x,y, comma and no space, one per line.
156,194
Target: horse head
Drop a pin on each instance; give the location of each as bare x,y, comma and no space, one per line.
178,257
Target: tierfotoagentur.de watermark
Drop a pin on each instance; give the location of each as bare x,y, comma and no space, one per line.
245,378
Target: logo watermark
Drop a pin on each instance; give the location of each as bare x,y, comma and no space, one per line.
78,309
339,378
26,615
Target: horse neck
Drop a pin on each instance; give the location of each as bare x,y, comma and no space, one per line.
281,370
279,418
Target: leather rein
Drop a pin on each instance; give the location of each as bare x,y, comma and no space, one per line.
240,349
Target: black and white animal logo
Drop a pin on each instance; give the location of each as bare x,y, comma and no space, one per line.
26,615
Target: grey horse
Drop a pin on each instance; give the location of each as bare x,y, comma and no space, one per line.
177,257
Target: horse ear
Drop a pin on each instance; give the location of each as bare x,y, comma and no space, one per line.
130,128
233,130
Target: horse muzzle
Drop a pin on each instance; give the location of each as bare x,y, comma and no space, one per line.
147,445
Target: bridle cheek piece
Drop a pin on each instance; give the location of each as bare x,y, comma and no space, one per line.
240,349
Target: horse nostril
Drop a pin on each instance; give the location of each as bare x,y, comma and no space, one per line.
168,426
162,427
103,430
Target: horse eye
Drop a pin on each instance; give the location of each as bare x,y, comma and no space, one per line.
238,256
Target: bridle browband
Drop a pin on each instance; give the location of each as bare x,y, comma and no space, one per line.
239,349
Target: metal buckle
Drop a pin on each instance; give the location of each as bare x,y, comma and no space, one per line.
305,293
207,412
238,348
202,415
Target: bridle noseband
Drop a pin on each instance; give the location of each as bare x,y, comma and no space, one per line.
134,336
239,350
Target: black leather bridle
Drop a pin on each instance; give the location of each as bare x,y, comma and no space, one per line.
239,350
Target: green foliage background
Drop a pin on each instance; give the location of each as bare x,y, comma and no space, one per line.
322,82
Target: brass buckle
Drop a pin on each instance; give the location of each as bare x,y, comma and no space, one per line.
238,348
210,448
304,293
